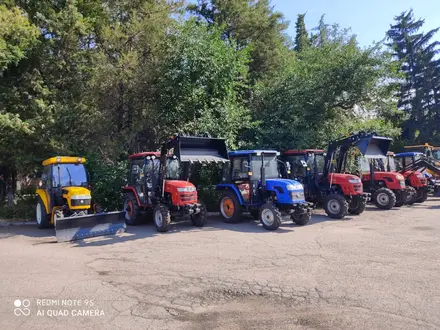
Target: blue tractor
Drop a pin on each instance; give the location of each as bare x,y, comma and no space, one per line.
251,182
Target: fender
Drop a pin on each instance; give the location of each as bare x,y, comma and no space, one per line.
228,186
43,195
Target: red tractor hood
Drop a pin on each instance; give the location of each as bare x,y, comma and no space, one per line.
178,184
350,184
339,177
182,192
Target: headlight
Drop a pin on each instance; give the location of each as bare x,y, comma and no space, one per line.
402,183
294,187
75,197
187,189
354,180
297,195
400,177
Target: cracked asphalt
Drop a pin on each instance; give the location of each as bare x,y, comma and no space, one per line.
379,270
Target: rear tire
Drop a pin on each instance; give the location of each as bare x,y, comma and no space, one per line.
422,196
230,207
131,209
384,198
400,201
336,206
41,215
270,216
357,205
199,219
162,218
301,219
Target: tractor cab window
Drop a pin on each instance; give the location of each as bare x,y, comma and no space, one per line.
151,170
136,171
240,168
364,165
68,175
398,163
172,169
390,164
297,168
46,176
270,163
320,162
436,154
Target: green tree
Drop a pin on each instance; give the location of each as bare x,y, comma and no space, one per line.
418,97
250,23
302,40
200,82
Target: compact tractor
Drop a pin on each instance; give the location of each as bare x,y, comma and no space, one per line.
64,201
155,184
252,183
339,193
411,165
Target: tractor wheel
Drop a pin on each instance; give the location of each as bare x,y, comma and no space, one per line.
270,216
131,208
336,206
198,220
301,217
357,205
41,215
162,218
230,207
412,195
400,201
422,195
384,198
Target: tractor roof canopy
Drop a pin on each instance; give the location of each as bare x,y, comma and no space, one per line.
409,154
252,152
144,154
64,160
302,152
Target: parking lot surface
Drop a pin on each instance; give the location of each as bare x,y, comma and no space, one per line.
379,270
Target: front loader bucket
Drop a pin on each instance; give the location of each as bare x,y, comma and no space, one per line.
374,146
201,149
80,227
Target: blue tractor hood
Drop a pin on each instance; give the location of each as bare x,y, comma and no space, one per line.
287,190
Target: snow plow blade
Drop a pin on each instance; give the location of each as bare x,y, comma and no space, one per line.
80,227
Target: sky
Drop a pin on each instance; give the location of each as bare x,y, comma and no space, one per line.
368,19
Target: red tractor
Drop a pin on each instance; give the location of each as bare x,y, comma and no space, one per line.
155,185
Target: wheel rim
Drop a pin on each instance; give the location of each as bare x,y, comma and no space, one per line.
128,210
383,199
39,214
158,218
334,206
227,207
268,217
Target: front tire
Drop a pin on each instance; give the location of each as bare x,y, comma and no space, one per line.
270,216
336,206
198,220
230,207
422,196
162,218
412,195
384,198
301,219
132,216
357,205
41,215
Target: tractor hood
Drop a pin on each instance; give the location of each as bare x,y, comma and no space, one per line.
179,185
340,177
286,184
73,192
78,198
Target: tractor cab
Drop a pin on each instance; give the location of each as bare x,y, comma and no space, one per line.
252,182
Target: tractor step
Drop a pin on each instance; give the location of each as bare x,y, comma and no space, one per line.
80,227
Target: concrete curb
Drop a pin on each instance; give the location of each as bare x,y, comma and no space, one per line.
17,223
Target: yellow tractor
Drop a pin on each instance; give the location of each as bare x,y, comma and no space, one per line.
64,201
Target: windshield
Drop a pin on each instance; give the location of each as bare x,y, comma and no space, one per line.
68,175
270,164
436,154
391,164
364,165
320,162
173,169
297,167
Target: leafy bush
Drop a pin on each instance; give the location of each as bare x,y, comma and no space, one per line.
107,179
